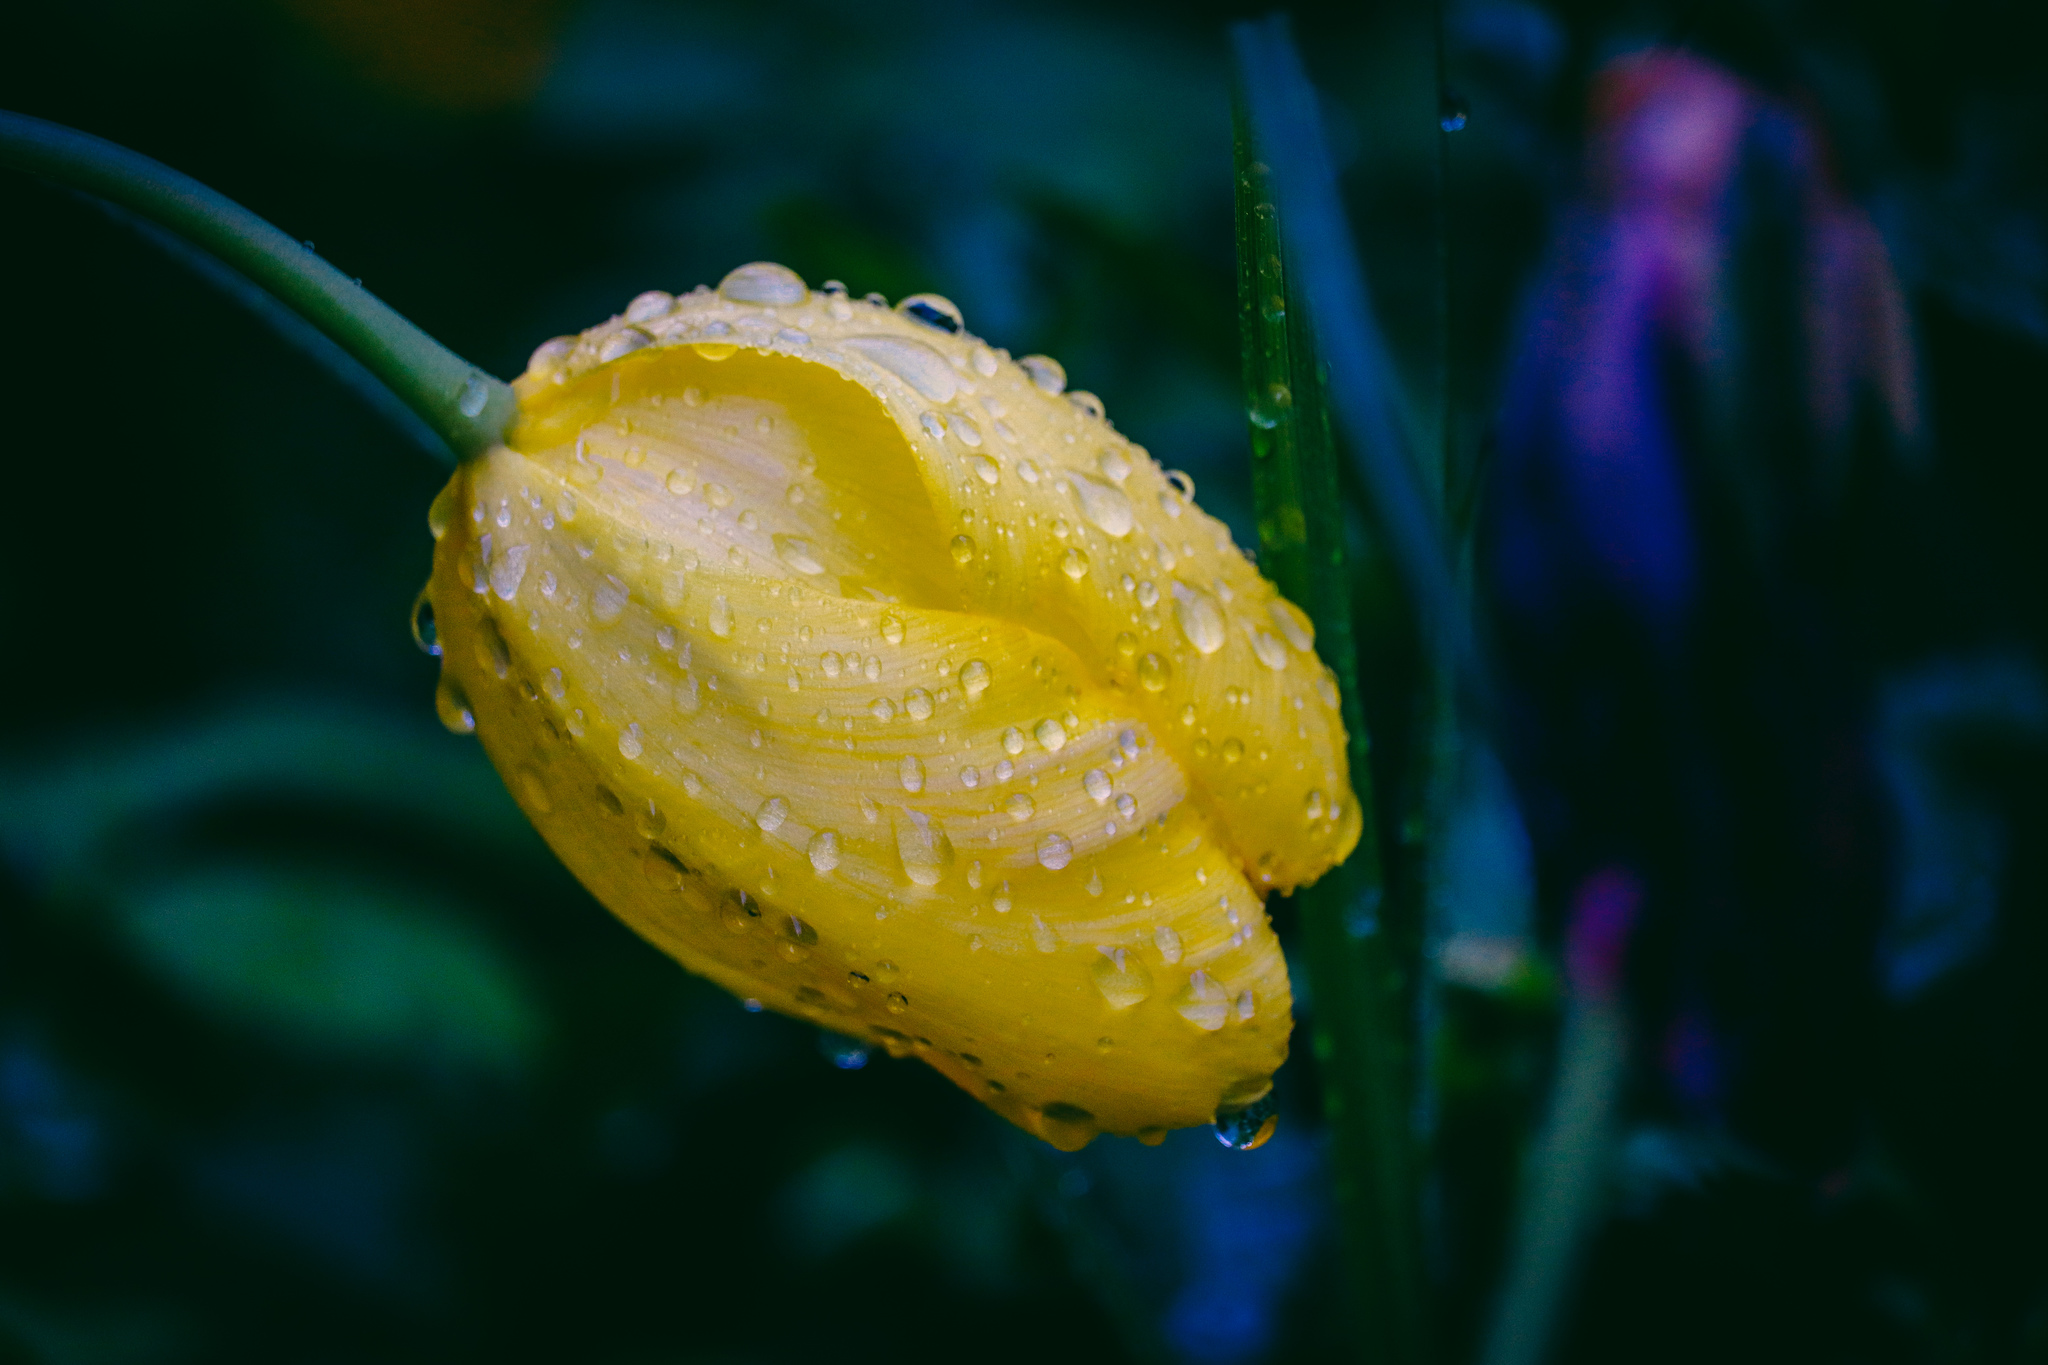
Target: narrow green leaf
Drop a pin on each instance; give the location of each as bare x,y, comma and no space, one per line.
1358,1033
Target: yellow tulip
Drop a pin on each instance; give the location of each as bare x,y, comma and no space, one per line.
873,677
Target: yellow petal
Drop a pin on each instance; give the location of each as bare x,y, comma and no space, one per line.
871,679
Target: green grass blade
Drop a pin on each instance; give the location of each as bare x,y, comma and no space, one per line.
1358,1034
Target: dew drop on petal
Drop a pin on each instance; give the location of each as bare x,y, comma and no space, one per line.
1054,852
923,848
720,618
1243,1129
1050,734
917,703
796,553
772,813
824,850
1203,1003
662,870
1127,807
1168,943
764,282
985,469
911,773
1074,564
1201,620
892,629
1292,623
962,549
1096,783
1045,372
1154,673
974,677
1013,741
1105,505
882,709
1042,936
1122,977
630,745
1019,807
1268,648
453,708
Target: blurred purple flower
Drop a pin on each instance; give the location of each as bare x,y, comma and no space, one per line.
1633,318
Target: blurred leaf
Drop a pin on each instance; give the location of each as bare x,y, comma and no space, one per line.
335,964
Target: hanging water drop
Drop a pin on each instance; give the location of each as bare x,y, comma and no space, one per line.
423,633
453,708
1243,1129
933,310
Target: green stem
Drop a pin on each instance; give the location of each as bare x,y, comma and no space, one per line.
466,407
1358,1039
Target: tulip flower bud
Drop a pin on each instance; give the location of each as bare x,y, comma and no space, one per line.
877,679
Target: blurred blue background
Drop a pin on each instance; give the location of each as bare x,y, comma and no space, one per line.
309,1051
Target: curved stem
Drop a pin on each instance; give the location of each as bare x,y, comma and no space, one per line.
468,408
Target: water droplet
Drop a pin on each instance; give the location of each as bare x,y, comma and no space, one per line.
882,709
871,669
830,663
1042,936
550,356
970,777
1013,741
1114,466
911,772
897,1002
984,362
648,821
693,785
796,939
1313,806
1154,673
423,633
1104,505
933,310
622,343
1452,113
1127,743
689,697
608,599
1054,852
1086,402
491,651
453,708
974,677
1168,943
1074,564
1243,1129
1292,623
1201,620
985,469
923,848
1233,750
1050,734
1019,807
715,350
1247,1005
913,362
1005,770
1094,884
962,549
917,704
1122,977
934,426
1203,1003
650,305
718,495
796,553
630,745
1270,651
1127,807
764,282
1027,470
476,392
720,618
1148,594
663,870
892,628
772,813
1048,374
680,481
